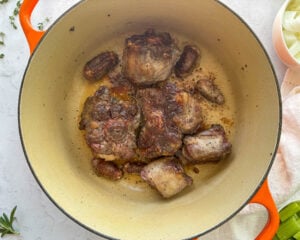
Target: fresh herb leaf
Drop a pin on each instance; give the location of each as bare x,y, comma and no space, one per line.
3,1
12,215
2,35
6,224
41,25
5,217
15,13
12,22
17,8
19,4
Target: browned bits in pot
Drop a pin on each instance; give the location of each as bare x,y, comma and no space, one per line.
196,170
107,169
134,167
209,90
187,61
100,65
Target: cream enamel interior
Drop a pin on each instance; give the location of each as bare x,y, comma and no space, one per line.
53,91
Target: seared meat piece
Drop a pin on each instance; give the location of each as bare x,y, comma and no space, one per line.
159,135
207,146
202,83
208,89
187,61
149,58
106,169
100,65
110,120
189,120
167,176
168,113
134,167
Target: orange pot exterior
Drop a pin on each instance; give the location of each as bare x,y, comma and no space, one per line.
33,37
264,197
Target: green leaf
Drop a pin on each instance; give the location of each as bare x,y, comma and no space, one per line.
3,1
16,12
12,215
3,223
5,217
41,25
6,224
2,35
4,233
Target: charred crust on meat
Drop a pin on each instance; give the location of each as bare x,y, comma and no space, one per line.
134,167
209,90
110,121
167,176
100,65
149,58
159,136
210,145
106,169
115,131
187,61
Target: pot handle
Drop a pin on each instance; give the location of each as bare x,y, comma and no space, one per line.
33,36
264,197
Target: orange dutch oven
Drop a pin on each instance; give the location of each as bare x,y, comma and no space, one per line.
53,91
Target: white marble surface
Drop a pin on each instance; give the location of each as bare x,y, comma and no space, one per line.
37,217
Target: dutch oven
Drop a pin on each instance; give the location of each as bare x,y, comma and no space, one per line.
53,91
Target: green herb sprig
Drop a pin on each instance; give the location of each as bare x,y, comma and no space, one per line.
6,224
2,35
41,25
12,17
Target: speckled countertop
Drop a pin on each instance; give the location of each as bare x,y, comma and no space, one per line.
37,217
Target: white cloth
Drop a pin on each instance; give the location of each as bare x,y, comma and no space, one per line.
284,177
